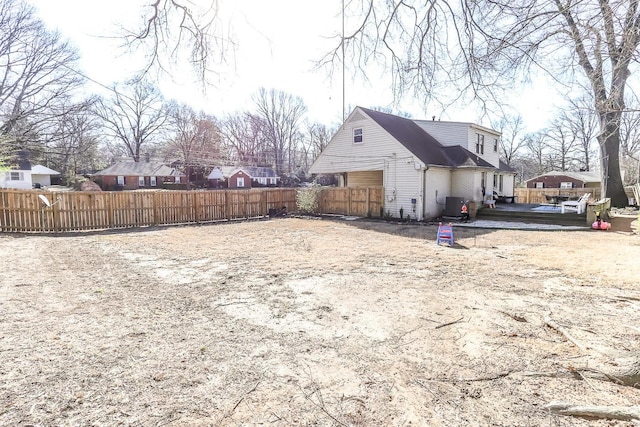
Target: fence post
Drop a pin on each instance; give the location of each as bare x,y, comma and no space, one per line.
227,210
196,213
348,201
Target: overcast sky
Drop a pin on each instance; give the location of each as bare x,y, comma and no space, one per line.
278,42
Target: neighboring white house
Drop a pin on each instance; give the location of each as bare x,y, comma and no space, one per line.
418,162
18,176
41,175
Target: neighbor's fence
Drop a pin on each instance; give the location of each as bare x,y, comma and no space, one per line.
537,195
24,211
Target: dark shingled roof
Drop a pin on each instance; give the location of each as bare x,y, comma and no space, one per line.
460,156
424,146
138,169
505,167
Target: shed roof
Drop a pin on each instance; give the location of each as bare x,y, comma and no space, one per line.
43,170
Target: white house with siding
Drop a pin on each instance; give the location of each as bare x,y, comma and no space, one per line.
18,175
418,162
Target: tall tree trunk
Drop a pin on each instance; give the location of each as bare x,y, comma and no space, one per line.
609,139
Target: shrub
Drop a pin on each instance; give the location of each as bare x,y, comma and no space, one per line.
308,199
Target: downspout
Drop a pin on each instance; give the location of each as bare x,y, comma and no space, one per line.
424,191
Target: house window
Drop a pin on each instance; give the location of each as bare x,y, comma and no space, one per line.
566,185
539,184
141,181
495,180
177,179
495,145
273,181
500,185
480,144
153,181
240,182
357,136
16,176
121,180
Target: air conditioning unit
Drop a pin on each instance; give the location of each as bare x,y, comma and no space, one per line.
453,207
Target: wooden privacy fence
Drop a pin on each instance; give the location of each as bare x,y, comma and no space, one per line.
537,195
24,211
356,201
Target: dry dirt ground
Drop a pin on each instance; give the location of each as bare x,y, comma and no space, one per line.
316,322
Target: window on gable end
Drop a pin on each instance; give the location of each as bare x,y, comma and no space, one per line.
495,145
357,136
479,144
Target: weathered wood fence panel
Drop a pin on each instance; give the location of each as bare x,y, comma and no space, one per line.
23,211
357,201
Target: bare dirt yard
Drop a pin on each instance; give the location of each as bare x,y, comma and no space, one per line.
319,322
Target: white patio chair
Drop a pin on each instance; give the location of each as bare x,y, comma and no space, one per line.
578,206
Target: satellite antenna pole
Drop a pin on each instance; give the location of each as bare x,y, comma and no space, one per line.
343,67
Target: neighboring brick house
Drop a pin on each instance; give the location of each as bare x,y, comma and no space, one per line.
558,179
130,175
252,176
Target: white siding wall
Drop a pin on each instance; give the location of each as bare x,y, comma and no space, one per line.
467,183
25,184
44,180
342,155
447,133
489,155
378,152
401,184
437,186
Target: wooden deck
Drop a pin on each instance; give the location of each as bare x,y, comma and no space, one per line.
531,213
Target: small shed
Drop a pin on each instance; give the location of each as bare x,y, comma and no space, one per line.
41,175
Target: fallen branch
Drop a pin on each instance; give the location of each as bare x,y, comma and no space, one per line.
553,325
449,323
624,413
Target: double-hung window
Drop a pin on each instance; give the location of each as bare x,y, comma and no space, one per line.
480,144
357,136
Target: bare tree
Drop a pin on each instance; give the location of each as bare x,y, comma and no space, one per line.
244,135
133,116
195,137
72,145
512,141
36,74
630,142
583,123
282,115
538,155
561,144
317,137
482,47
170,28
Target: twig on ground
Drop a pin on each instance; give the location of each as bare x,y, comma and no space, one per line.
553,325
624,413
514,316
245,394
449,323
